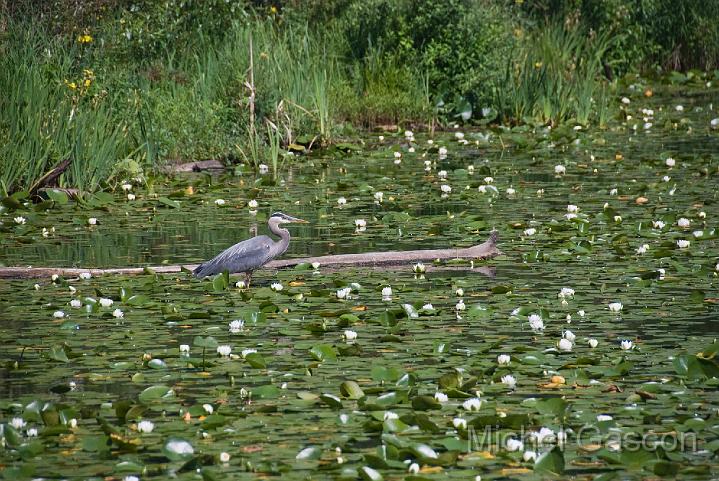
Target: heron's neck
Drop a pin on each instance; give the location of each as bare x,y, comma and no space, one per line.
283,234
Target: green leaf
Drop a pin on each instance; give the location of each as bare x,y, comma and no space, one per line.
169,202
256,360
176,449
57,353
155,393
550,463
57,196
351,390
323,352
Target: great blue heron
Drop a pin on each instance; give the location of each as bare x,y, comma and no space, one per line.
251,254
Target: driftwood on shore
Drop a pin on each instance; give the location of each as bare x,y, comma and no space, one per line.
486,250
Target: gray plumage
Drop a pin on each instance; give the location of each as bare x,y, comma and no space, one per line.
250,254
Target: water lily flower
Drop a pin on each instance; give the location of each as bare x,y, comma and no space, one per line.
458,135
45,232
413,468
75,303
683,222
642,249
224,350
626,345
398,155
219,201
73,423
666,178
514,444
236,326
488,180
503,360
615,306
570,215
603,418
569,336
419,268
387,292
510,381
614,191
442,174
572,208
118,313
470,171
529,455
92,221
380,138
592,343
530,232
126,187
343,293
208,408
683,243
511,191
36,287
658,224
105,302
670,162
560,169
535,322
264,169
625,101
472,404
617,218
446,189
130,196
349,335
581,313
360,223
714,123
679,108
430,307
17,423
252,204
276,286
224,457
460,305
441,397
442,151
566,292
32,432
85,276
184,348
145,426
341,201
459,423
20,220
247,352
58,314
565,345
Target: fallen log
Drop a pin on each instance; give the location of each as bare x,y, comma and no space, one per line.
486,250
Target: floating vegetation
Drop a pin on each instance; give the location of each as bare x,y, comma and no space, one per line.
581,356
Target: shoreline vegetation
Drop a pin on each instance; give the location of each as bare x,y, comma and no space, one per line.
101,91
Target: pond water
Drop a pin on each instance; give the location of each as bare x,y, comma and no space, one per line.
80,384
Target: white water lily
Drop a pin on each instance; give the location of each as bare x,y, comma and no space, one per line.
45,232
58,314
118,313
219,201
341,201
360,223
459,423
488,180
625,101
615,306
441,397
446,189
184,348
514,445
614,191
569,336
92,221
343,293
530,232
247,352
503,360
679,108
430,307
413,468
535,322
565,345
75,303
560,169
572,208
604,418
252,204
380,138
642,249
208,408
617,218
264,169
276,286
442,151
240,284
683,243
626,345
236,326
20,220
224,350
459,135
529,455
387,293
670,162
126,187
32,432
510,381
85,276
105,302
379,197
145,426
566,292
36,287
592,343
683,222
510,191
72,423
460,306
224,457
658,224
17,423
349,335
570,215
442,174
714,123
419,268
472,404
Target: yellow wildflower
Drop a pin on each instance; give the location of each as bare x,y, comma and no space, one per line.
87,82
84,38
538,65
71,85
273,9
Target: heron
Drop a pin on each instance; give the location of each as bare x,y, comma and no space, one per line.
251,254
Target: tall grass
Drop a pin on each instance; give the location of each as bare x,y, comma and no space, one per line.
555,78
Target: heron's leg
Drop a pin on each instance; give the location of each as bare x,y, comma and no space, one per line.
248,277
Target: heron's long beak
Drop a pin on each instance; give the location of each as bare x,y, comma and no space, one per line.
299,221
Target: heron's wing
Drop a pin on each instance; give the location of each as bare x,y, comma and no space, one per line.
244,256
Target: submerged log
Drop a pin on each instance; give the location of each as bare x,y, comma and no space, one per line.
486,250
